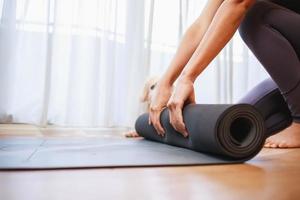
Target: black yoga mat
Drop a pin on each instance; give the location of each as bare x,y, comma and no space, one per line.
219,134
227,132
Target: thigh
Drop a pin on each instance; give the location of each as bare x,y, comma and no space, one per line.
286,22
293,5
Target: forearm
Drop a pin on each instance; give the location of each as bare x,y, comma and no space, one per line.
190,41
224,24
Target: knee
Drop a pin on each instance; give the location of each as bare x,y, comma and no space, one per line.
253,19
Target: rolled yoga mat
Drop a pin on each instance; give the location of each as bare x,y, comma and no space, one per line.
231,132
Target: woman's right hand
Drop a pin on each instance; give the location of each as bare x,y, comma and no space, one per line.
159,100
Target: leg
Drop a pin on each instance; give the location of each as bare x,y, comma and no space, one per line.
267,98
272,33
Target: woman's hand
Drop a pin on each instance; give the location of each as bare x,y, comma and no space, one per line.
159,100
182,95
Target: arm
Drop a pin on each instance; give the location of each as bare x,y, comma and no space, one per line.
187,47
224,24
221,30
190,41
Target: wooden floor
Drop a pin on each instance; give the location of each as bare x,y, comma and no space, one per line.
273,174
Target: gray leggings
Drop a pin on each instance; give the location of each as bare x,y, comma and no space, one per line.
271,29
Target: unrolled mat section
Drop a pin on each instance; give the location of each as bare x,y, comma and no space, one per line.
96,152
230,132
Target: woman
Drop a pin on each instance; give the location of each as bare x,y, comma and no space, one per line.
271,29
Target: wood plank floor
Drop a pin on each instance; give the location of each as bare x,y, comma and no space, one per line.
273,174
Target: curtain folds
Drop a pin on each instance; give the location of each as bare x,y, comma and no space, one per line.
84,62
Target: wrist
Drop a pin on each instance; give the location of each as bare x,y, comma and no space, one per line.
186,76
165,82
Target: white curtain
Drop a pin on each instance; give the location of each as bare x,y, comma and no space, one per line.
84,62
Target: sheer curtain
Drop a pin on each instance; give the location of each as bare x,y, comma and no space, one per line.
84,62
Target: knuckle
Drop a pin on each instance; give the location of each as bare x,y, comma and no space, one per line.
181,127
175,103
181,130
171,105
177,126
154,108
178,102
176,121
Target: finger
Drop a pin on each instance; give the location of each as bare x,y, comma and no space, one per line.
157,123
176,119
153,120
154,117
171,120
179,127
179,122
150,120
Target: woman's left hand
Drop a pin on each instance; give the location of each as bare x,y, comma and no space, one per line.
182,95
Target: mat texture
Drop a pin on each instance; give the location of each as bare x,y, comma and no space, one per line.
66,153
